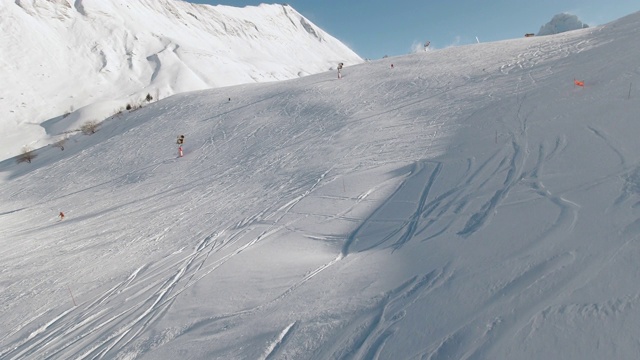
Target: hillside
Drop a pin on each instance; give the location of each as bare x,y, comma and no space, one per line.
66,62
468,203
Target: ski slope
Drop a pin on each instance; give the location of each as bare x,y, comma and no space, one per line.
468,203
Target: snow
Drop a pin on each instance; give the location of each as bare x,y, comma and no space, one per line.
469,203
93,57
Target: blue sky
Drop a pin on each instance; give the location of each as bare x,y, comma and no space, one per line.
375,28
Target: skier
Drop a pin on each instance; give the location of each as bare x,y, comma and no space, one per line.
180,141
61,215
426,45
339,70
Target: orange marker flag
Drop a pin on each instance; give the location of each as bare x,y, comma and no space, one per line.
578,82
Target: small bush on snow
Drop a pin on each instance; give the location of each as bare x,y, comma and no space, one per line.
27,155
90,127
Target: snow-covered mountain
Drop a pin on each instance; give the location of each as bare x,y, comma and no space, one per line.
561,23
89,59
466,203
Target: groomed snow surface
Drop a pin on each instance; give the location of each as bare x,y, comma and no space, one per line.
468,203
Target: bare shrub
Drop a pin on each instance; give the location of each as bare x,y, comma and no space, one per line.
60,143
134,107
27,155
90,127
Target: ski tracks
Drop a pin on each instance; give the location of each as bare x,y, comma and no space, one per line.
92,330
508,310
373,327
407,205
425,208
272,351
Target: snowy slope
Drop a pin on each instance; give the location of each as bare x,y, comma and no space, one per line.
470,203
90,58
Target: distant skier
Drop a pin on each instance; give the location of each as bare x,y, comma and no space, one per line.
426,45
180,141
392,66
340,70
61,216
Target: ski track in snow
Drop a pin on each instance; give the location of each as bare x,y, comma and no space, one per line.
155,294
151,290
272,351
370,330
